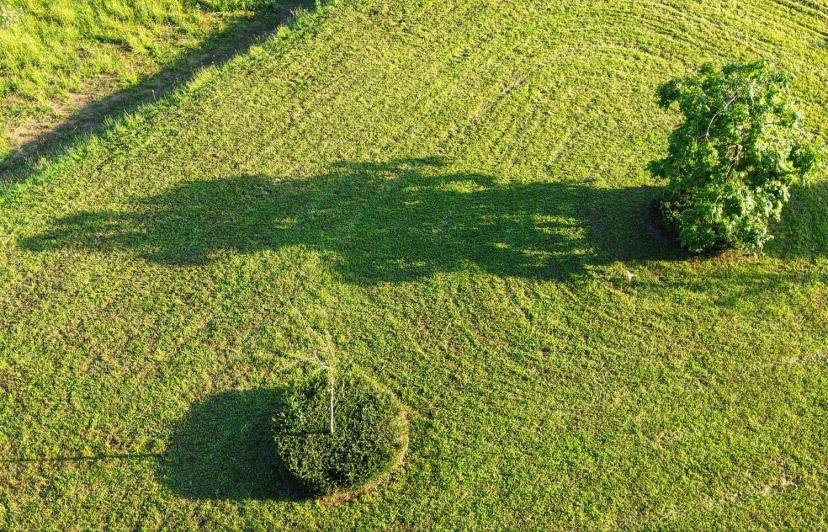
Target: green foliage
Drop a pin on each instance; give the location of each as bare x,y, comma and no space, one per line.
369,439
732,161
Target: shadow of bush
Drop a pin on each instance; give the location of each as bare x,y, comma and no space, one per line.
223,450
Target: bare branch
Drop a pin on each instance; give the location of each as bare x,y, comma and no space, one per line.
727,104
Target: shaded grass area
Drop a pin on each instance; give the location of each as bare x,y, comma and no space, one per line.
452,192
804,230
223,449
385,222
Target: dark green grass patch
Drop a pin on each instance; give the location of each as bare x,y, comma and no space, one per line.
222,449
369,438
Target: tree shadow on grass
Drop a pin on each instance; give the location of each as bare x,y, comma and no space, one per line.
235,39
381,222
803,230
224,450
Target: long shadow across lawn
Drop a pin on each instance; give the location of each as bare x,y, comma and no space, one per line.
235,39
381,222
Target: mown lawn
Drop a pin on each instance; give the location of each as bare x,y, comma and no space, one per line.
451,192
69,63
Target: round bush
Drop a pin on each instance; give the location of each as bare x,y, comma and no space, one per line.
369,439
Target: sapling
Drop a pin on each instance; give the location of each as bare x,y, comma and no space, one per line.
326,366
329,370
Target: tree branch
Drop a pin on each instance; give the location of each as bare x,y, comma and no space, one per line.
727,104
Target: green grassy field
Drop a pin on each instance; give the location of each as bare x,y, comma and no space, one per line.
453,192
59,58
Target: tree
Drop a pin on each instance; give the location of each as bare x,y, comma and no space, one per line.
731,163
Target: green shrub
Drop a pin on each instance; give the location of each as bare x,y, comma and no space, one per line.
732,161
369,439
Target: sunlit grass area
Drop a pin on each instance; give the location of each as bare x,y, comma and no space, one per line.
451,194
57,56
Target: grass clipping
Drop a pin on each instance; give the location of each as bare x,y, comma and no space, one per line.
369,440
